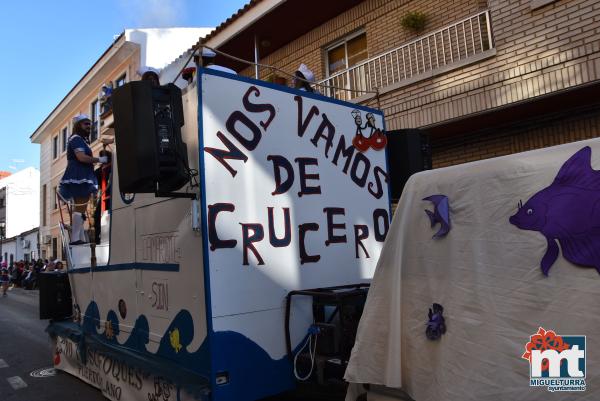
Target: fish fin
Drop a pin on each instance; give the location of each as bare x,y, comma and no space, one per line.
583,250
550,256
431,216
444,209
578,171
435,199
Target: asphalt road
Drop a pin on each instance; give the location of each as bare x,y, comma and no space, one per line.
24,348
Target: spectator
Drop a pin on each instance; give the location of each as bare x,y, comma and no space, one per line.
207,62
50,266
150,74
302,78
4,279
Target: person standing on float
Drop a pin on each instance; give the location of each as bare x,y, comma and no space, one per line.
79,181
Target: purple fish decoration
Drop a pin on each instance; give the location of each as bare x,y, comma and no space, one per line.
440,214
436,326
568,211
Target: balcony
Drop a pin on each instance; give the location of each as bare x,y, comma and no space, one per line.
452,46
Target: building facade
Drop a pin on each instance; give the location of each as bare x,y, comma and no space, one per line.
19,201
119,64
483,78
19,215
21,247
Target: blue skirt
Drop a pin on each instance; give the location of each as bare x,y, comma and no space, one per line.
72,191
79,181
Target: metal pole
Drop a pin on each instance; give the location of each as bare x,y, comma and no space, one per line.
256,57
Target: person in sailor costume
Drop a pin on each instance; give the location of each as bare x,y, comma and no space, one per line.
79,181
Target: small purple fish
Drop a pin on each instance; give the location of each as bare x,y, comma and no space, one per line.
436,326
568,211
440,214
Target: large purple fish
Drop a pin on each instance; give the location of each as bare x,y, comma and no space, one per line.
568,211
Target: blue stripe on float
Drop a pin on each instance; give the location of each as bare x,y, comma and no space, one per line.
166,267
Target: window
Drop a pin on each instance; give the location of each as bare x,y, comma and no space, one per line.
95,122
343,55
55,147
64,139
54,203
346,54
120,81
44,204
2,202
535,4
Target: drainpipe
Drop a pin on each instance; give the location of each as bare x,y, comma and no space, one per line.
256,56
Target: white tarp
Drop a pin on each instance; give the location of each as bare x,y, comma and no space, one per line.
486,274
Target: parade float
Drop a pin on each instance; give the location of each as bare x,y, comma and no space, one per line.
217,244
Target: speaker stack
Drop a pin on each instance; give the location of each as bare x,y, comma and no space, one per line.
55,295
152,156
409,152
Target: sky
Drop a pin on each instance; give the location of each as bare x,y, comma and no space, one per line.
47,46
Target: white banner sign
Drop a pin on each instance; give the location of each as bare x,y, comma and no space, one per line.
296,192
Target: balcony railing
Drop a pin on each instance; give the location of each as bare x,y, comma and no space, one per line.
444,47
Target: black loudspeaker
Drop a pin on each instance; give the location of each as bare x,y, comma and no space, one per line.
152,156
408,152
55,296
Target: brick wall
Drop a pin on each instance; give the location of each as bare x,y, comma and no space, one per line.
537,52
380,19
519,138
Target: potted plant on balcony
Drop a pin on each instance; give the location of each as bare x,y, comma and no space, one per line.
414,21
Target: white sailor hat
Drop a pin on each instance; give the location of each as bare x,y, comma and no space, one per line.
308,74
146,69
208,53
80,117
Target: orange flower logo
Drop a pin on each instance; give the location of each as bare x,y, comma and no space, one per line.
542,341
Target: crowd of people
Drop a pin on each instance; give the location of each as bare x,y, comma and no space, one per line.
24,274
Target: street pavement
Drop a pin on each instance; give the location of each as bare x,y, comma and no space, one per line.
24,348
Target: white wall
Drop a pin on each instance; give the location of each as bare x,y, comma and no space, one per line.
160,46
9,248
17,247
169,73
22,201
45,179
21,249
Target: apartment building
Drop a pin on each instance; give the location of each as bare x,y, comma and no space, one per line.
19,201
120,63
482,78
19,214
